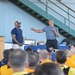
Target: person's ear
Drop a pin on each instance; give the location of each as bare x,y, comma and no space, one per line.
9,64
40,58
27,65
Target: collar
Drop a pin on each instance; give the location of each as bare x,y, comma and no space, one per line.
63,66
28,70
20,73
46,61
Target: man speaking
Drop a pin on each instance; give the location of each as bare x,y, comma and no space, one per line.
51,34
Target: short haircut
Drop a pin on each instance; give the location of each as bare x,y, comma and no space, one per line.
51,20
29,50
61,56
6,54
43,54
33,59
18,58
11,50
48,69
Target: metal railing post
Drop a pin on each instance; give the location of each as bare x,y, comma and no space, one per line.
46,7
64,20
68,20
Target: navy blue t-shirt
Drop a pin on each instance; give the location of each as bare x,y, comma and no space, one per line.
18,33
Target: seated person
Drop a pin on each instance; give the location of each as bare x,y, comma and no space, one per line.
48,69
68,42
61,58
18,61
6,70
33,59
29,50
5,59
71,59
44,57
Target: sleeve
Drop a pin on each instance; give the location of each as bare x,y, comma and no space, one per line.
13,31
57,30
44,29
22,33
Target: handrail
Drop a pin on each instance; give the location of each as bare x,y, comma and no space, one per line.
61,8
56,12
66,6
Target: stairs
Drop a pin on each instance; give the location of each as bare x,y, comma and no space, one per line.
42,16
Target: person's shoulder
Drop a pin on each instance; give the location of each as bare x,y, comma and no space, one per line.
72,71
13,29
21,29
31,73
4,66
55,26
46,27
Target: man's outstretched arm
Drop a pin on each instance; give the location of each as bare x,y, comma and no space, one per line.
37,31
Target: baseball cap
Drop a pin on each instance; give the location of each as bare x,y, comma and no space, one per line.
17,22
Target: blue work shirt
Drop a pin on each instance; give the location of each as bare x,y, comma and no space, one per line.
50,35
18,33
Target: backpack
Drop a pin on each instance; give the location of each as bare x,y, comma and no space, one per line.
66,70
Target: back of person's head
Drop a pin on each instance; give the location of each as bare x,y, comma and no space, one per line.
43,54
48,69
18,59
33,59
68,53
29,50
6,54
11,50
35,51
61,57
